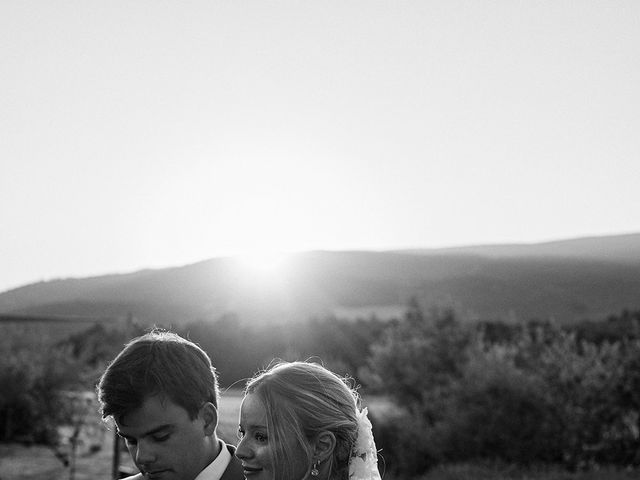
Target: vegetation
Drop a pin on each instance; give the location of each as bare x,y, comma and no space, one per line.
538,394
31,374
510,397
239,350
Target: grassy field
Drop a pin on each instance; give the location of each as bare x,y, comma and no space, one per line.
229,410
19,462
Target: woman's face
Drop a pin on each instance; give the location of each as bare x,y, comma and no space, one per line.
256,447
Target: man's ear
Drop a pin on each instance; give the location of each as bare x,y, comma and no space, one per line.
325,444
209,415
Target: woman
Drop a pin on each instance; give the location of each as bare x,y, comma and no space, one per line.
300,421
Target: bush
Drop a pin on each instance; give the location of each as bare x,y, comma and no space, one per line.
32,377
498,412
536,395
401,454
419,360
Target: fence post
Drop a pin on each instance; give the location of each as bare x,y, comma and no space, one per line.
115,465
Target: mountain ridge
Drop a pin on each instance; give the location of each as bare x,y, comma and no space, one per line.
586,278
622,247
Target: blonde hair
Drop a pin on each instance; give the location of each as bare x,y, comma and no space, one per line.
301,400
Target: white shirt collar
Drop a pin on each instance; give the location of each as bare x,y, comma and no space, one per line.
215,469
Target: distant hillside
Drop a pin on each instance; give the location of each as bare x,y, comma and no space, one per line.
579,279
615,248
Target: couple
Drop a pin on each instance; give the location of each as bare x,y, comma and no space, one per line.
298,420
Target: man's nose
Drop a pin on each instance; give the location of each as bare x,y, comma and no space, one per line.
145,453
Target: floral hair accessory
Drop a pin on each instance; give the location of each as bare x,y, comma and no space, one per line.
363,464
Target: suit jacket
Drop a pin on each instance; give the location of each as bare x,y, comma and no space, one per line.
233,472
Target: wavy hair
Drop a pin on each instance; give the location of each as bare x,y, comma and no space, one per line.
301,400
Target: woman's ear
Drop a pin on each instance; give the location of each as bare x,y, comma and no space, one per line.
209,415
325,444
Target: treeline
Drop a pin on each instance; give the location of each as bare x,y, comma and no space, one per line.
526,393
535,393
239,350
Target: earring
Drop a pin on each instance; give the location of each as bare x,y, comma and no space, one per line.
314,470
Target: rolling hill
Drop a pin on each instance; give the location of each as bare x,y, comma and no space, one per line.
568,280
614,248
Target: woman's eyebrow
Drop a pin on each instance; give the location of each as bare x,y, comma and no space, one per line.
252,425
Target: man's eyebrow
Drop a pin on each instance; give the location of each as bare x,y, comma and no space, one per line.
153,431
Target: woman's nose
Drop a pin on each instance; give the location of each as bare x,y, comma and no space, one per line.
242,450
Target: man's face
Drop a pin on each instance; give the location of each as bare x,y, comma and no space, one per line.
165,443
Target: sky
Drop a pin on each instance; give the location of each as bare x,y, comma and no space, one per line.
155,133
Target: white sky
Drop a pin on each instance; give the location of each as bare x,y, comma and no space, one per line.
156,133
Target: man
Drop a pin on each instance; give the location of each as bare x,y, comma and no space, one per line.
162,393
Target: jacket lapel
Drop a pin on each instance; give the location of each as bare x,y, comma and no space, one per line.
234,469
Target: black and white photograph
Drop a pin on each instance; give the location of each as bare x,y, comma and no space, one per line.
319,240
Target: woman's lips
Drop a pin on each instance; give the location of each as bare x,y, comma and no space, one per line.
250,470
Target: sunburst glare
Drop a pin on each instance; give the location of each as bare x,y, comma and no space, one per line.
264,263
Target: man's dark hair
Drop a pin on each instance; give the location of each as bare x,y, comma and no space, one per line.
158,363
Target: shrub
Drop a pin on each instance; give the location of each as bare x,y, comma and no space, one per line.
402,454
498,412
32,376
538,394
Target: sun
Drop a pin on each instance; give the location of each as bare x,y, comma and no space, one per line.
263,263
